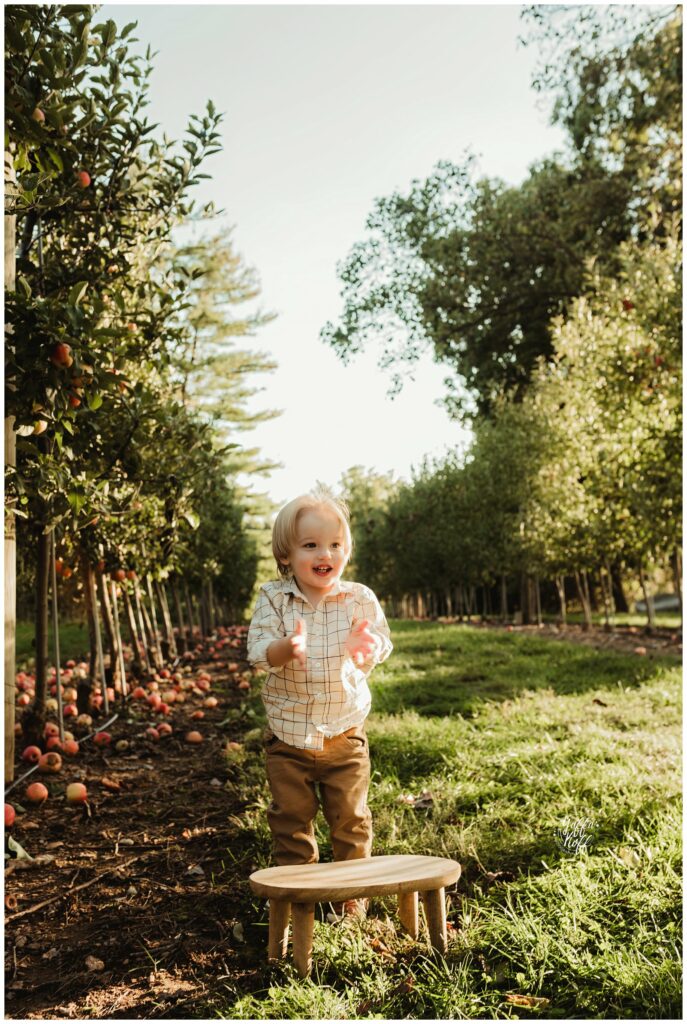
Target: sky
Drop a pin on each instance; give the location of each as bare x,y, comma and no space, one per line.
326,109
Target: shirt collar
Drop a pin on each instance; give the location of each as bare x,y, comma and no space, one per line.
340,587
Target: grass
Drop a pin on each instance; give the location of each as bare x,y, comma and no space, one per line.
517,739
74,643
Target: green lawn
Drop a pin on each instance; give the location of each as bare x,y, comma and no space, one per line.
73,643
514,737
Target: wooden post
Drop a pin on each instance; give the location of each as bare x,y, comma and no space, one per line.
133,635
141,626
10,523
120,645
189,613
182,636
106,606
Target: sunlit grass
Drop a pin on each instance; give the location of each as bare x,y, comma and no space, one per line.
514,738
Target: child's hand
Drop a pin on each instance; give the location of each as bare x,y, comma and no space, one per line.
360,642
298,640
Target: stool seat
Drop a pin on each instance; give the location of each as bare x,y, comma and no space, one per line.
293,891
353,879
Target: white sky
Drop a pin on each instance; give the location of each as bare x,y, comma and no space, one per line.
326,109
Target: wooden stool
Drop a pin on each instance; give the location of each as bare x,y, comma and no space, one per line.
293,892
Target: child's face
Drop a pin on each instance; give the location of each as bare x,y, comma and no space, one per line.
320,542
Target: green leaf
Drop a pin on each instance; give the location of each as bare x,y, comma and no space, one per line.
94,401
192,519
47,59
56,158
24,285
110,33
77,292
76,500
128,28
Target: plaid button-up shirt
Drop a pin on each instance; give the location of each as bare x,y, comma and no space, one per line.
331,693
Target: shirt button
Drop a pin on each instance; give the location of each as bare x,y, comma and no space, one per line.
318,664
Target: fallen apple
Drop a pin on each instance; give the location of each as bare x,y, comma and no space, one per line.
139,693
193,737
102,739
210,702
32,754
50,763
70,748
54,743
36,793
244,685
51,729
164,729
152,733
84,721
10,815
198,714
76,793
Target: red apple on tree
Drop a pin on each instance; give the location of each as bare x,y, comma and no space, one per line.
83,179
38,115
61,354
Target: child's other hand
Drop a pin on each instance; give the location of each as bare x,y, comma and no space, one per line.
360,643
298,641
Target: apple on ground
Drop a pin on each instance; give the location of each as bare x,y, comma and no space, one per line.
70,748
102,739
10,815
49,763
32,754
36,793
76,793
193,737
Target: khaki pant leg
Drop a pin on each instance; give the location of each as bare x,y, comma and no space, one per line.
294,803
344,784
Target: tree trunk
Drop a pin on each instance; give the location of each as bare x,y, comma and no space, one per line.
560,587
619,598
84,687
170,647
33,719
133,634
676,566
211,606
99,643
189,614
537,600
87,576
145,649
156,629
10,521
584,600
112,675
120,645
651,615
156,652
182,637
525,599
607,592
504,598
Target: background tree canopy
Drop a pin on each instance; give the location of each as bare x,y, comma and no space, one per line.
475,269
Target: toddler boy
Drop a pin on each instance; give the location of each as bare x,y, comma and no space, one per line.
317,637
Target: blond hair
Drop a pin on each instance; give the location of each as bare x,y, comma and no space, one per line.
286,523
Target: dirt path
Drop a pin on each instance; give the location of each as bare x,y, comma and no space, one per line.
154,931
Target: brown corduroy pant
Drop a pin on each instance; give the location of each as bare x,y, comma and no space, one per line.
342,772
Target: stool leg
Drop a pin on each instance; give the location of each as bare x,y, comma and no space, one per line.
303,918
280,912
408,912
435,909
